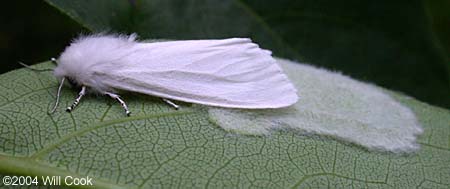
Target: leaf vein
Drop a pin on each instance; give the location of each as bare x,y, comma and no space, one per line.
40,153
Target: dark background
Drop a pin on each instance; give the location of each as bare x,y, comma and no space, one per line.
407,61
32,32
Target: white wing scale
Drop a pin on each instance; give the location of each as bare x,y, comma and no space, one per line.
233,73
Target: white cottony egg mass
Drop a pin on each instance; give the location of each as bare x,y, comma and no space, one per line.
334,105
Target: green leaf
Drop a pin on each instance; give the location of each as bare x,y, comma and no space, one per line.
387,42
161,147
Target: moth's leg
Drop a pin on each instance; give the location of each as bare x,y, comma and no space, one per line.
77,100
117,97
171,103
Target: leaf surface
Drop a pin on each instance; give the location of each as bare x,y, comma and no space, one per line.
161,147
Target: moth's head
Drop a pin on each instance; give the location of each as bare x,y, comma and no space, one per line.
63,71
73,62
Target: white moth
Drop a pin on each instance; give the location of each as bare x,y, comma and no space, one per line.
232,73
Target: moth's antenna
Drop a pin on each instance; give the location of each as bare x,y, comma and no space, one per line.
57,95
34,69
